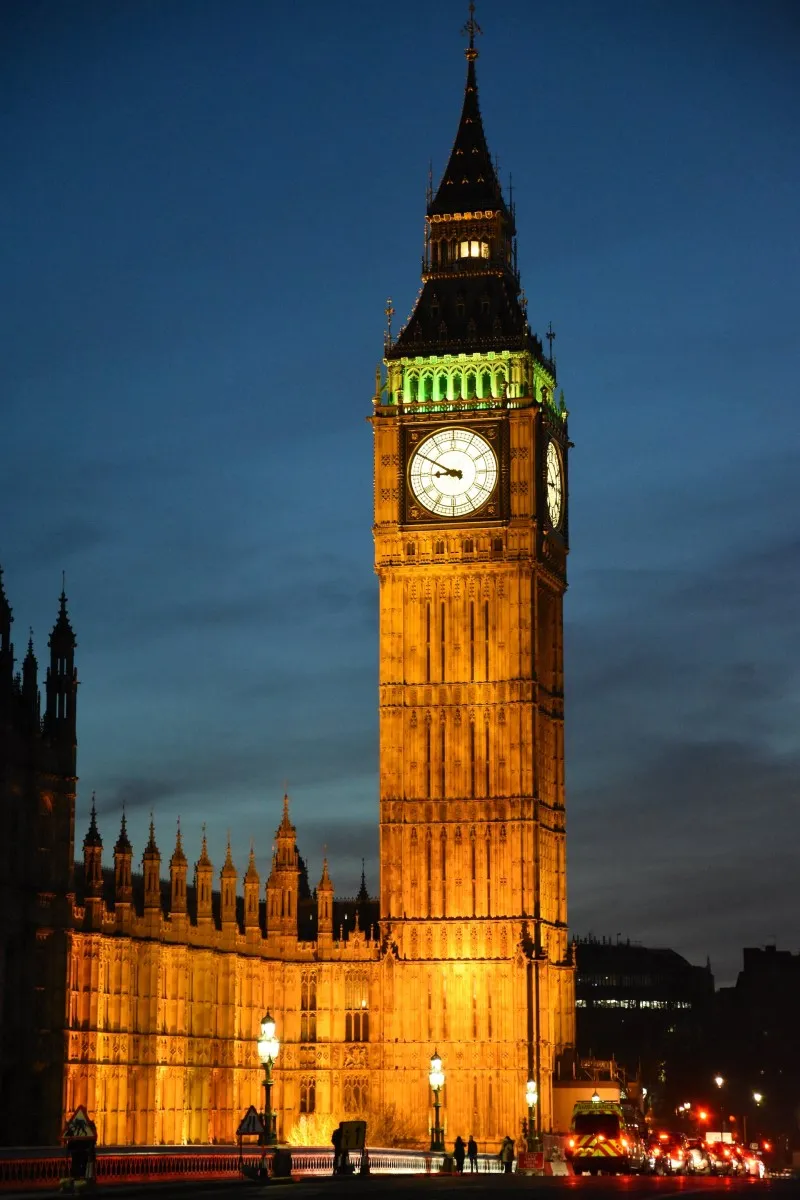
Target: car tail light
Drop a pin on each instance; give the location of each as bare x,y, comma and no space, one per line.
571,1143
727,1153
601,1137
656,1151
664,1137
625,1143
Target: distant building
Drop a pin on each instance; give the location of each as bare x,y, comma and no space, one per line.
755,1041
647,1008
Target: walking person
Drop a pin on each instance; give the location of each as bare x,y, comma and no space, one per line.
507,1155
336,1141
459,1152
472,1153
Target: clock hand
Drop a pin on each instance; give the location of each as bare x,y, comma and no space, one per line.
428,459
451,471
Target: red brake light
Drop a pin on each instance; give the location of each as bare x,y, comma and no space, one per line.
656,1151
664,1137
726,1152
571,1143
625,1143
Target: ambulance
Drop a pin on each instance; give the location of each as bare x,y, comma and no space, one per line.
607,1138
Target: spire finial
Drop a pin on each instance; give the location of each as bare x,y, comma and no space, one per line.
389,313
30,639
551,335
472,27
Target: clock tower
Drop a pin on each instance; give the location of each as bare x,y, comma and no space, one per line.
471,538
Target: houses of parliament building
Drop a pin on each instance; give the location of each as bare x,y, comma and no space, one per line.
140,996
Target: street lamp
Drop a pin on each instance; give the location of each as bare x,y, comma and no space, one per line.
757,1096
531,1099
436,1080
595,1096
719,1081
268,1047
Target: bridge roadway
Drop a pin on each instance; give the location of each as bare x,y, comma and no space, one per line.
477,1187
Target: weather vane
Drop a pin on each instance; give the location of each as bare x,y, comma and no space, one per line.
472,27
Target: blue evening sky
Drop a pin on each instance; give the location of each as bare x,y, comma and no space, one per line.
204,205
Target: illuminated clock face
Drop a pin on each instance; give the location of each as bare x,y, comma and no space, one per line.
555,485
453,472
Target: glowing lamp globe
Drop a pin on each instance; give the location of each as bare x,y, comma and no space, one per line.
595,1097
531,1093
436,1075
268,1044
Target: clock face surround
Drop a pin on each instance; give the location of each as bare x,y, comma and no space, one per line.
453,472
554,479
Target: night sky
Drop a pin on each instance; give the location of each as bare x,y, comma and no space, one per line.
204,206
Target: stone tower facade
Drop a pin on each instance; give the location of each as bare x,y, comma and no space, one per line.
470,549
136,985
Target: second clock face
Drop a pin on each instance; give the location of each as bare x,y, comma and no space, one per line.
555,485
453,472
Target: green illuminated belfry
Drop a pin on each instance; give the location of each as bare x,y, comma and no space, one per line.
467,341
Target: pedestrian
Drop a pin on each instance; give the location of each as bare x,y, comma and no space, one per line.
458,1154
507,1154
336,1141
472,1153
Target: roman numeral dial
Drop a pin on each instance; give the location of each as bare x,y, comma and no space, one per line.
453,472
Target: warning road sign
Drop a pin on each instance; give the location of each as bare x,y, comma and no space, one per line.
251,1122
80,1125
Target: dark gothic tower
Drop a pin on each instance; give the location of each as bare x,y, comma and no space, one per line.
37,815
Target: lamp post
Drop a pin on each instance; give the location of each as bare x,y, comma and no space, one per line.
720,1082
436,1080
531,1099
268,1047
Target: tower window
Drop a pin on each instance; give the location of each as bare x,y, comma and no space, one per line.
410,550
473,249
497,545
469,546
438,548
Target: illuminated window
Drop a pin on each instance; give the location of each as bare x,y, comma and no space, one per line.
473,249
356,1094
356,1002
308,1009
308,1096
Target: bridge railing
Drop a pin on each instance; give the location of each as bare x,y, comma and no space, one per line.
27,1170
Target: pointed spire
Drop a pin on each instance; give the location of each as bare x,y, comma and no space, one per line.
325,884
286,825
252,872
30,677
151,848
62,630
204,860
93,834
178,855
123,845
5,607
363,894
469,183
227,867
